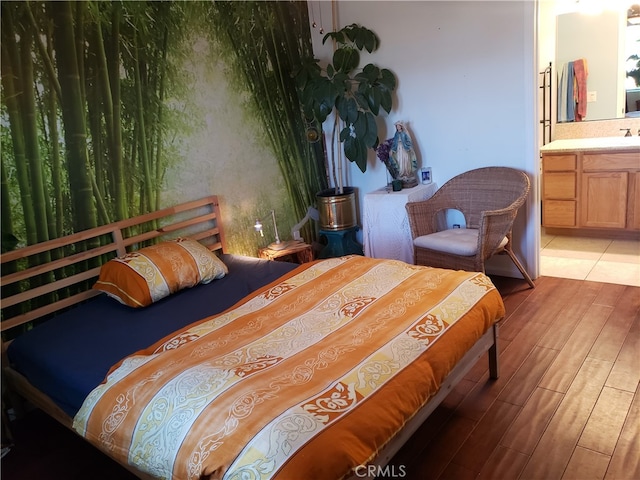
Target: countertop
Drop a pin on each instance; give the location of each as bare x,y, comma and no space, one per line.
600,143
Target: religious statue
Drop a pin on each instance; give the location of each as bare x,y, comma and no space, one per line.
404,156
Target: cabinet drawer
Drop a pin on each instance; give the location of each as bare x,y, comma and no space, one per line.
560,185
557,163
611,161
559,213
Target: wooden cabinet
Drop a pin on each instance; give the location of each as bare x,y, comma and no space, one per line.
633,213
603,203
591,190
559,191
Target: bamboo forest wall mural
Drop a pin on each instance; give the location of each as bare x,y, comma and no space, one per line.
111,109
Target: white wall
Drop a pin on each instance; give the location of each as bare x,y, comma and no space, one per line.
467,88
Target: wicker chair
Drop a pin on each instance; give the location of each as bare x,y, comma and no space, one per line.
489,199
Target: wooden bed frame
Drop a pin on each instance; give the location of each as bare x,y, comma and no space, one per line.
81,252
85,251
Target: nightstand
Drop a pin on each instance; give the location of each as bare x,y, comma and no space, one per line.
385,225
296,252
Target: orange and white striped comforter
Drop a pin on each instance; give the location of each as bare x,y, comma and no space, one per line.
307,378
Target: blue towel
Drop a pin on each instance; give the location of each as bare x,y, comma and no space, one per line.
562,93
566,102
571,103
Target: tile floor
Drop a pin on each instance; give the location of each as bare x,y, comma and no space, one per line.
594,259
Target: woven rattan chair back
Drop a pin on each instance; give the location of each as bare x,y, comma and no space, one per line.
484,189
489,199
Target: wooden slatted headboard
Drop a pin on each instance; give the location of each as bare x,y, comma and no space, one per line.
41,279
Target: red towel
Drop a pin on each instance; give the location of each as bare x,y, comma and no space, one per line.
580,72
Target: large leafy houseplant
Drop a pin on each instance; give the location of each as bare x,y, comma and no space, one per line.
354,96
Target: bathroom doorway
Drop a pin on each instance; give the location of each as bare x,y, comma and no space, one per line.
609,260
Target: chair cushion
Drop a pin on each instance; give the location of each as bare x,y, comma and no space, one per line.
456,241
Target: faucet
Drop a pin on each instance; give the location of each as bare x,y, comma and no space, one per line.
628,134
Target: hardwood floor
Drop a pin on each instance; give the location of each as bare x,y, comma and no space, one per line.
566,405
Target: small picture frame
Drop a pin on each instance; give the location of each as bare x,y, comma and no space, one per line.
425,175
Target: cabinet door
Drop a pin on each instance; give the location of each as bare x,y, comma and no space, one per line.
603,203
634,201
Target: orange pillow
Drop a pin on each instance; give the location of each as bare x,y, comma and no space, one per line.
145,276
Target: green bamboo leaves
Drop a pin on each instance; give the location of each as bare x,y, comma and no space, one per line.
94,96
355,96
271,40
83,89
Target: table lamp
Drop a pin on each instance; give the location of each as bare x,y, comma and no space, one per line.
277,245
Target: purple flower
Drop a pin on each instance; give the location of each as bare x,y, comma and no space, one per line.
383,150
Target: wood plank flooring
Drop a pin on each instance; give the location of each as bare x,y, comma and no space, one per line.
566,405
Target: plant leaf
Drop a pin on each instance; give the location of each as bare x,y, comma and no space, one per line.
325,92
337,36
350,147
375,98
369,74
355,151
359,37
361,157
388,79
352,31
360,125
361,98
341,106
346,59
341,83
352,111
345,133
330,71
371,41
385,100
322,111
370,138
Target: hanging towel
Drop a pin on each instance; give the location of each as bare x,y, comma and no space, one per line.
571,102
562,93
580,70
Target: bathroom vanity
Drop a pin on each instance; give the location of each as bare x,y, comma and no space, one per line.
592,184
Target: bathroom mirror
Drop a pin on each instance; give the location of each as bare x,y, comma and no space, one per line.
605,41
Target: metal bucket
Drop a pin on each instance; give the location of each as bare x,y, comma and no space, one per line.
337,212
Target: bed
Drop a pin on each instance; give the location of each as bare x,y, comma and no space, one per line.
267,370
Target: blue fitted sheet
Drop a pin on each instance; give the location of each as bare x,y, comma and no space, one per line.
69,355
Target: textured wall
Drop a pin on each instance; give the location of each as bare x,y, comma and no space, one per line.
226,154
